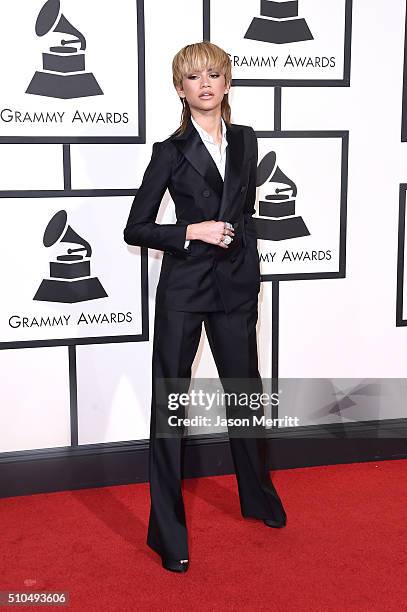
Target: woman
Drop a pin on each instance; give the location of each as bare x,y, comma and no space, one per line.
210,273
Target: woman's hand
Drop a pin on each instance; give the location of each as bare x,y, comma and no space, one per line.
212,232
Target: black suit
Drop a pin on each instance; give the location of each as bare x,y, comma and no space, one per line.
204,283
189,277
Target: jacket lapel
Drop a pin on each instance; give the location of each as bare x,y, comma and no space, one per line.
191,146
233,169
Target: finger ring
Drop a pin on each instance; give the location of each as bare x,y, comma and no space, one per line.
227,239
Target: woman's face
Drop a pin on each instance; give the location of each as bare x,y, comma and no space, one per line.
203,90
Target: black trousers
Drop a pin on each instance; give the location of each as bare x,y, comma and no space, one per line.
232,339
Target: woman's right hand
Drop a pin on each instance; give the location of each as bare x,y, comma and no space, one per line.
209,231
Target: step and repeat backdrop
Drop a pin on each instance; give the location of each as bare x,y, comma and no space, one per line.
86,89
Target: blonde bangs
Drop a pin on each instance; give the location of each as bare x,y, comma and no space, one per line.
198,57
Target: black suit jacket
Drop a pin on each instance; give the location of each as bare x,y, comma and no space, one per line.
189,277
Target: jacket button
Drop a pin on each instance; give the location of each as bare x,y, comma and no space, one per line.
242,188
206,193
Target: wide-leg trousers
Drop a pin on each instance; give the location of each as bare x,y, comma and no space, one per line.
232,339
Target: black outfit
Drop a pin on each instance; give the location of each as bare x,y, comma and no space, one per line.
203,283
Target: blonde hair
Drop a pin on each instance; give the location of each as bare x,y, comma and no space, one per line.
199,56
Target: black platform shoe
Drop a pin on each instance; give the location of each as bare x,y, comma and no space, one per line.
174,565
276,524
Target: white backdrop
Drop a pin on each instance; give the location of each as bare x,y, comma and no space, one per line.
328,328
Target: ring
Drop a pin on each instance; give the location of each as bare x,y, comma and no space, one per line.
227,239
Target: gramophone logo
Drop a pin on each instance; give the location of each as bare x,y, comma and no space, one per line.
277,219
63,75
70,280
279,23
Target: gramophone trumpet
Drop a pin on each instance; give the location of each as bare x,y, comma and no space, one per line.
47,18
58,229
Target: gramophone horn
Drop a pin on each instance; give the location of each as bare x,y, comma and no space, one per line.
58,227
55,228
71,236
280,177
47,18
65,27
266,168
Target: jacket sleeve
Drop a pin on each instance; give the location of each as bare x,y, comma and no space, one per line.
249,207
141,229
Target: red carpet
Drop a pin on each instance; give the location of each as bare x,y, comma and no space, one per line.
344,547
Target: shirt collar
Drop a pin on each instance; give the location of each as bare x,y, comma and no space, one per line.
207,137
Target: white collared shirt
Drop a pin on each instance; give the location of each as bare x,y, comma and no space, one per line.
218,152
